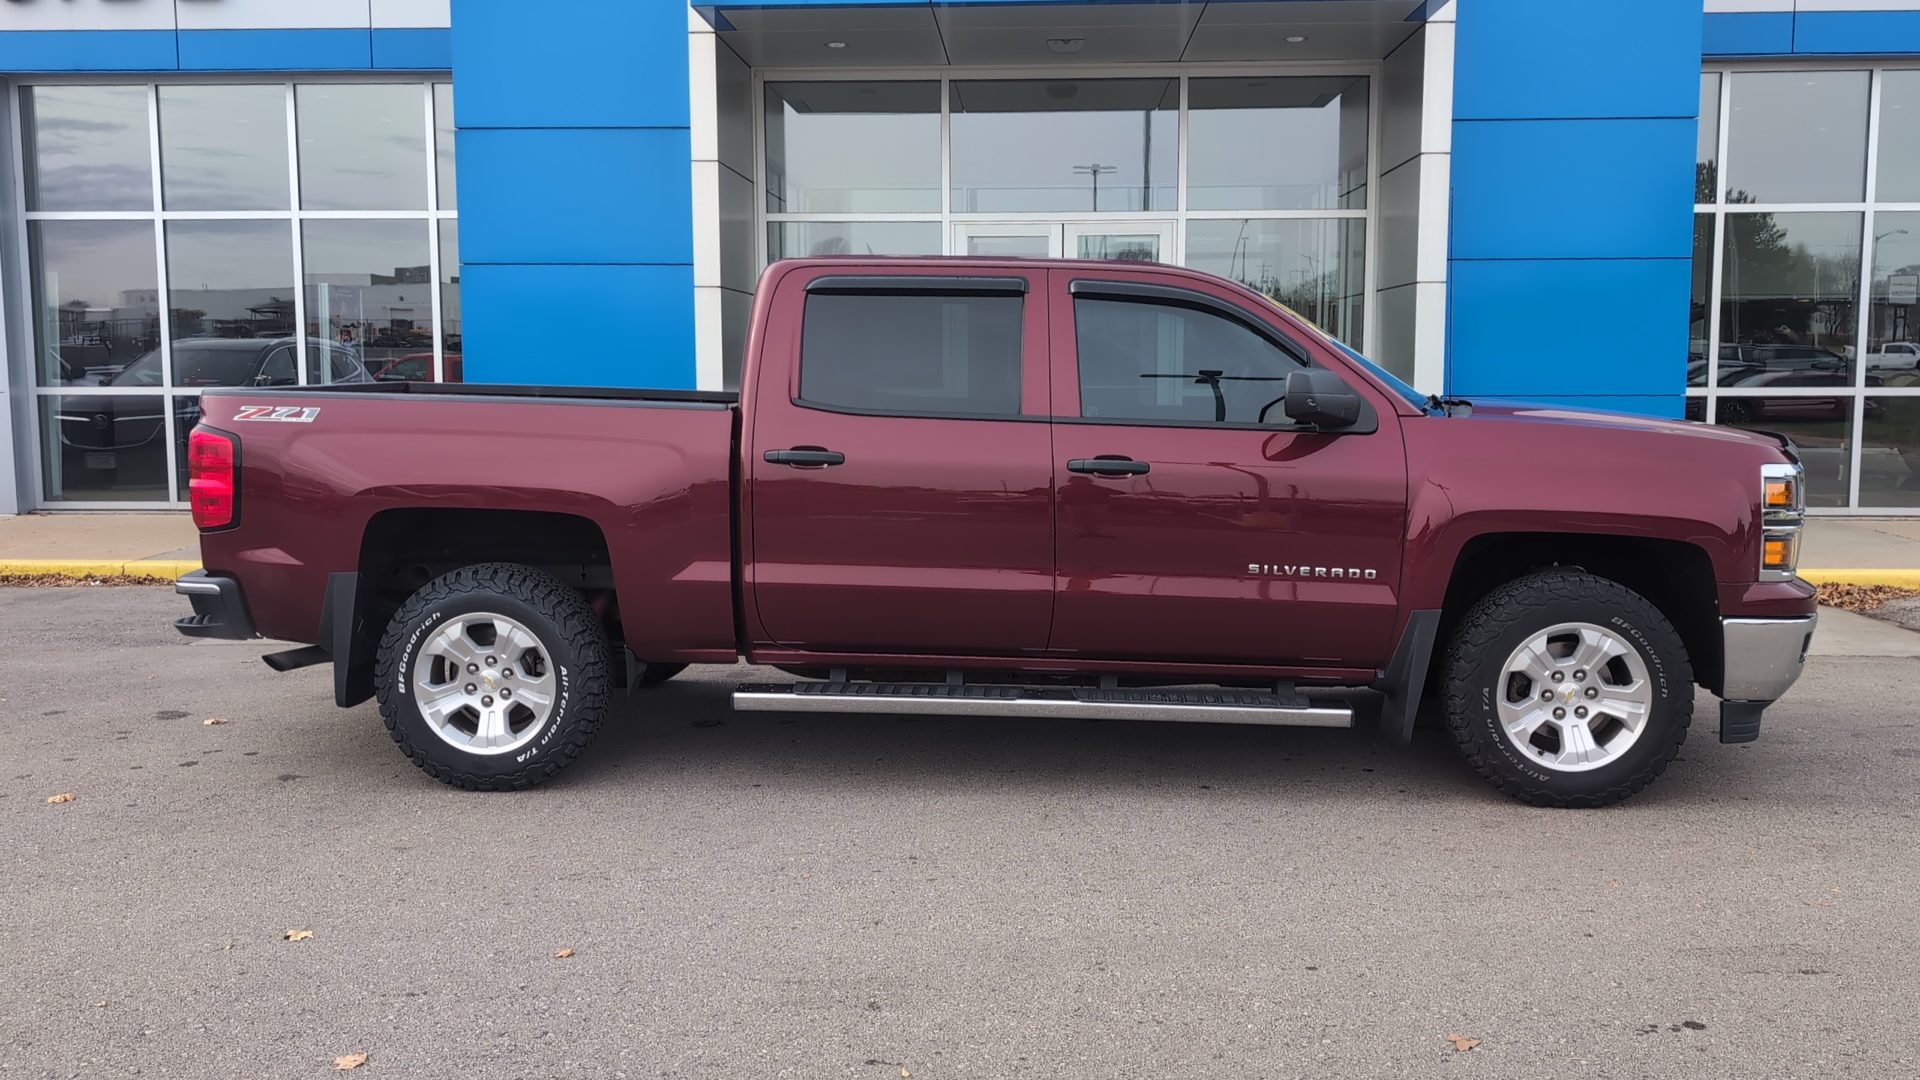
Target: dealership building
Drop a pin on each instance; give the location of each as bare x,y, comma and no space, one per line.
1687,208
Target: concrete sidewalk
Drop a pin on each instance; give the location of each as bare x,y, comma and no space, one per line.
1863,551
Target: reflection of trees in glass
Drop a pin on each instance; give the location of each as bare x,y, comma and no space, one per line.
1777,290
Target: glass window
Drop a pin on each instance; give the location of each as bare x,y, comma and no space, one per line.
96,298
1821,425
450,300
228,279
1277,144
798,239
1142,361
1893,341
1890,450
368,293
1706,158
103,448
1797,136
1065,145
186,413
1790,282
912,353
1899,172
1702,301
361,147
88,148
443,169
224,147
1315,267
853,147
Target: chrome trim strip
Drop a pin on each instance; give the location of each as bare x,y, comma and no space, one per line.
1319,716
1764,657
190,588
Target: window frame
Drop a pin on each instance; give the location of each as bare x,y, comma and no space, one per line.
1158,294
833,282
1857,391
157,217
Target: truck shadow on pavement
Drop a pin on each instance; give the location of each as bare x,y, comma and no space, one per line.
688,727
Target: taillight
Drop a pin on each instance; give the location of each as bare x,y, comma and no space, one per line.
212,486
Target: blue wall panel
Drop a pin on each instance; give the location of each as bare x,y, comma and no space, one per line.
1872,32
88,50
1661,405
1748,33
601,63
413,49
1569,328
576,192
275,50
578,325
1572,233
572,195
1555,189
1550,59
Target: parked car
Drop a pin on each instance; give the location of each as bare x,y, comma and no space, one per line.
1742,411
125,434
1895,355
1001,487
416,367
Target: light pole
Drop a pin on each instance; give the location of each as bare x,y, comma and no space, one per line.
1096,170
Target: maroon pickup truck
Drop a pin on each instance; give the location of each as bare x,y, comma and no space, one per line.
1011,488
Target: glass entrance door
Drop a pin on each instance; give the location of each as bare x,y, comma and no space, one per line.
1132,241
1016,239
1129,241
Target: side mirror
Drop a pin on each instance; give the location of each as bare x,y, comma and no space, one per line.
1317,396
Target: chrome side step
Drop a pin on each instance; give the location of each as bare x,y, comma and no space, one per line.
1068,703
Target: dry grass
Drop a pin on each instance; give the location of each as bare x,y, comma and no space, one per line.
1861,598
63,581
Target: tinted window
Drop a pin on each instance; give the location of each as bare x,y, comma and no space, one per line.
1144,361
912,353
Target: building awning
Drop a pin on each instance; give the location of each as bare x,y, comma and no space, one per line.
1013,33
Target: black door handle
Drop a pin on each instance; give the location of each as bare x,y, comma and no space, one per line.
1109,465
806,455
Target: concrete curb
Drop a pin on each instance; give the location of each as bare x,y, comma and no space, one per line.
1899,579
161,568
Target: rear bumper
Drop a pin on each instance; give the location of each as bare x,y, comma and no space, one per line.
219,609
1764,657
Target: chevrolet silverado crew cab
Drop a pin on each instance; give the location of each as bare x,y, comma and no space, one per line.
992,487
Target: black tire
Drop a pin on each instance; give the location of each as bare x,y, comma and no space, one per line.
1500,623
654,674
568,633
1733,412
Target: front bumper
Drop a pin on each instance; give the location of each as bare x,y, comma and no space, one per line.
1764,657
219,611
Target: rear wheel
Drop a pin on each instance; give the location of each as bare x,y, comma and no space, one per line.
493,677
1565,689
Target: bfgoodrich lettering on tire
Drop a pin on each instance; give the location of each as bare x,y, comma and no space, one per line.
493,677
1566,689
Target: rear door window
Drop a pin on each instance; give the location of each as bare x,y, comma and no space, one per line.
912,353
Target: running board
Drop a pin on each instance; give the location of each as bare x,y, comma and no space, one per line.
1066,703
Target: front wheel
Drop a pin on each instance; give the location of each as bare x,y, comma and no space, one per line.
1566,689
493,677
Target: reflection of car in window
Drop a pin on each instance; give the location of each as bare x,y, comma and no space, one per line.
111,428
414,367
1896,355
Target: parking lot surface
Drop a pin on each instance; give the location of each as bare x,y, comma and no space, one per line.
761,896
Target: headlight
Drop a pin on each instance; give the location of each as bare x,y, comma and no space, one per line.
1783,504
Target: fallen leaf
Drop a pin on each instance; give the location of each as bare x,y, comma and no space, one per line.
563,953
211,720
296,935
99,1004
1463,1043
65,796
904,1072
350,1061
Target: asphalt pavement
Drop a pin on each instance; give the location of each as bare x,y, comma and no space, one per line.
756,896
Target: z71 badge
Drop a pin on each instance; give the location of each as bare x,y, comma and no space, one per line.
289,414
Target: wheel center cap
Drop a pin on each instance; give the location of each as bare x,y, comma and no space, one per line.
1569,694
